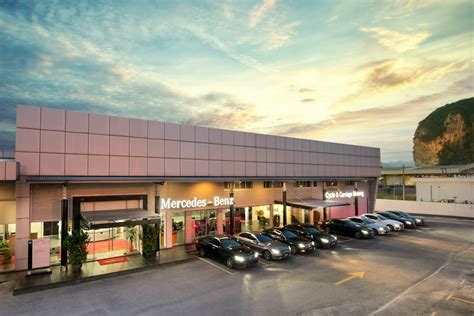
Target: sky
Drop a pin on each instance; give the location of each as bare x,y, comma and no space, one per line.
359,72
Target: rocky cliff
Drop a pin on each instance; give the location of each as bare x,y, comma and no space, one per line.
446,136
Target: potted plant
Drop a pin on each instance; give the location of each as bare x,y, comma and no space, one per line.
76,246
149,240
276,220
5,252
131,235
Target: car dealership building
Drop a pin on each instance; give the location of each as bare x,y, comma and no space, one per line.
102,173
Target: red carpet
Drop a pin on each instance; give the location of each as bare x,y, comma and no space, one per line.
112,260
103,246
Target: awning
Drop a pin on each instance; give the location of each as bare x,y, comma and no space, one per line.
312,203
119,218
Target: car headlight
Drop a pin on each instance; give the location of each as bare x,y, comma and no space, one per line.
289,248
407,222
396,226
256,255
381,229
239,258
365,232
300,245
335,237
324,240
275,251
418,221
312,243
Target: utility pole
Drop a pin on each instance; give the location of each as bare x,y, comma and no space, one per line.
403,182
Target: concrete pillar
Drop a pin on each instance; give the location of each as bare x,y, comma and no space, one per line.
220,221
271,215
301,212
169,229
22,223
188,227
311,217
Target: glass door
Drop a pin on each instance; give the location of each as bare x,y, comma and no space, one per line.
178,228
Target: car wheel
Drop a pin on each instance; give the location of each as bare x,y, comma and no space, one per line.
390,227
267,255
202,253
358,235
293,250
376,232
328,230
230,263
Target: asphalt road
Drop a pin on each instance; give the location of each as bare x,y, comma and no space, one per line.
427,271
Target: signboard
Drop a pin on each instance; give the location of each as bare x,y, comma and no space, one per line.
40,253
339,194
195,203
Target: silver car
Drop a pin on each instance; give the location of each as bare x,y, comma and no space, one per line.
379,229
390,223
267,247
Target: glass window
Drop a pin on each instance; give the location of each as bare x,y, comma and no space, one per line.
312,230
278,184
245,235
350,183
230,243
302,184
288,234
263,238
331,183
214,242
267,184
315,183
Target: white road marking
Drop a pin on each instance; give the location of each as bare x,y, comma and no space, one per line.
216,266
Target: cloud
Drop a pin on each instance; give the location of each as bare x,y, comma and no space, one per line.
259,12
304,90
307,100
397,41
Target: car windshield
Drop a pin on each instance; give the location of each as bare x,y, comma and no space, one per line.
404,214
352,224
263,238
381,217
288,234
368,221
312,230
230,243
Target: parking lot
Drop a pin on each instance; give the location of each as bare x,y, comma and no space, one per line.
423,271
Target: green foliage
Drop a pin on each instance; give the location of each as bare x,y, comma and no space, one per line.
5,252
131,234
433,125
76,245
149,239
276,220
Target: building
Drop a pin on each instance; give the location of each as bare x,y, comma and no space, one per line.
108,171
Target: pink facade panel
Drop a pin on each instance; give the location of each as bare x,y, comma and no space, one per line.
77,143
239,153
215,168
98,165
156,130
289,156
202,151
119,146
138,128
215,152
53,119
202,168
202,134
250,154
138,166
98,124
156,148
298,155
239,138
227,168
77,122
28,116
250,169
172,167
187,150
271,141
271,155
138,147
156,166
250,139
27,140
261,154
280,169
261,169
172,131
29,163
187,168
271,170
298,144
51,164
119,126
289,143
280,142
187,133
76,165
119,166
98,144
3,170
172,149
299,170
239,169
52,142
215,136
289,170
227,137
227,152
261,141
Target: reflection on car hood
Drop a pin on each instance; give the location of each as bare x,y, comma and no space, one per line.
298,240
239,250
276,244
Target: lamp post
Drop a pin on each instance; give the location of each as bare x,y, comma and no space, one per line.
284,203
64,220
231,210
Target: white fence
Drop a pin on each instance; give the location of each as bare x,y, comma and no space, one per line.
431,208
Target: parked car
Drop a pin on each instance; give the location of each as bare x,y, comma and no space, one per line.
227,249
347,227
311,232
264,245
297,244
393,225
408,223
419,221
379,229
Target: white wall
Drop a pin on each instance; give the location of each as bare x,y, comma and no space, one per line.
436,189
432,208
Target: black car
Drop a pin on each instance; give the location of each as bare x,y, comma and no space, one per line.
286,236
227,249
311,232
419,221
347,227
408,223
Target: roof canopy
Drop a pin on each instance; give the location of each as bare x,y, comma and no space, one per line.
312,203
119,218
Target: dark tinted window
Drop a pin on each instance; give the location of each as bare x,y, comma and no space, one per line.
263,238
288,234
312,230
245,235
214,242
368,221
230,243
358,220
